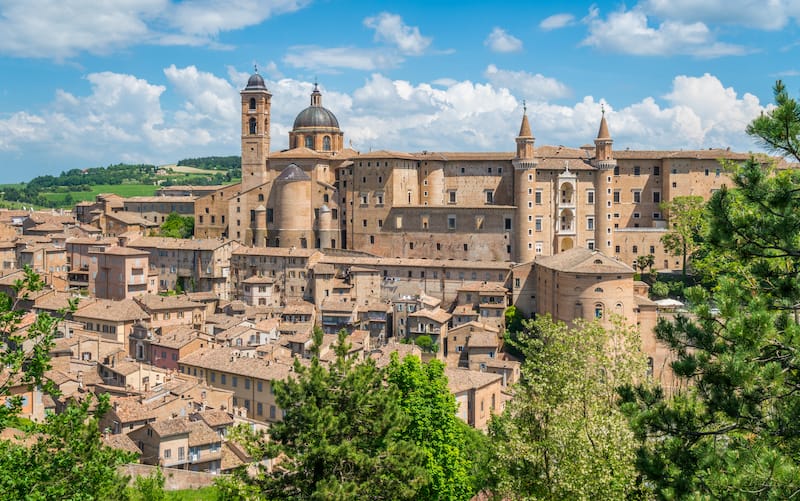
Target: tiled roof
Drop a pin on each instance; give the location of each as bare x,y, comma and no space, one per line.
121,442
483,339
580,260
178,243
214,418
201,434
226,360
459,380
161,199
154,302
106,309
438,315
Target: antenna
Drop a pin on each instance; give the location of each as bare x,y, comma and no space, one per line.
524,107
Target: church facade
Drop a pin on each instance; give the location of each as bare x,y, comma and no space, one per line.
514,206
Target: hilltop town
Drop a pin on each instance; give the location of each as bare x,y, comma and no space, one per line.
416,253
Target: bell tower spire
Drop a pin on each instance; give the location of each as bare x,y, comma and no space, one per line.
255,131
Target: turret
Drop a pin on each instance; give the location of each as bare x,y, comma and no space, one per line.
605,163
524,180
255,132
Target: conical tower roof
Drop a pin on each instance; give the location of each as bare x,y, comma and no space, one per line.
603,132
525,127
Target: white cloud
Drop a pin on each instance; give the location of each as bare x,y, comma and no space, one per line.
329,58
391,29
61,29
760,14
535,87
556,21
629,32
121,117
209,17
501,41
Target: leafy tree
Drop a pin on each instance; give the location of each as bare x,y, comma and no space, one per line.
341,436
151,487
67,461
24,355
644,262
424,342
514,325
733,432
177,226
659,289
434,427
686,217
562,436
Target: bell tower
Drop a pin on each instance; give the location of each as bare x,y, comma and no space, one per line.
524,180
255,132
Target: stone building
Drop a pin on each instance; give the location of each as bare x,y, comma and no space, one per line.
515,206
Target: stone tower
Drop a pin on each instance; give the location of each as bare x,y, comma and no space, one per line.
605,163
524,181
255,132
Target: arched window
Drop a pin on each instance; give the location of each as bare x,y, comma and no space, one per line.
598,289
598,310
326,143
253,126
309,142
252,103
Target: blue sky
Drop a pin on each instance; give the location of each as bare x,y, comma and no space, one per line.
86,83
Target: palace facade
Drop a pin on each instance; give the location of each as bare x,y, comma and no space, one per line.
513,206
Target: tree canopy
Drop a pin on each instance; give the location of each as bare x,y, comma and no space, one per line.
733,432
563,435
177,226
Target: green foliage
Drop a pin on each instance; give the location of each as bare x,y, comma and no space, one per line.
644,262
687,222
24,355
562,436
177,226
341,436
67,461
732,433
150,488
514,325
433,426
659,289
424,342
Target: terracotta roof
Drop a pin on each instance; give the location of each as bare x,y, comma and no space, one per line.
580,260
120,251
382,356
438,315
122,442
335,304
176,340
130,218
230,458
201,434
161,199
154,302
275,251
214,418
459,380
106,309
489,287
178,243
465,309
226,360
171,427
483,339
382,154
298,308
255,279
438,264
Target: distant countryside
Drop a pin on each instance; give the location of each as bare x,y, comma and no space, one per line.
127,180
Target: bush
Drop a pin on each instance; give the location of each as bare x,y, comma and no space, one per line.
660,289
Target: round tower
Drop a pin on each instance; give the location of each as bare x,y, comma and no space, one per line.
260,227
326,231
293,210
524,182
255,132
605,163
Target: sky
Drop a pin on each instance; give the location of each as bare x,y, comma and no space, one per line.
86,83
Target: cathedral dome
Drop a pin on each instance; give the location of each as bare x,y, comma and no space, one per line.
316,116
255,82
292,173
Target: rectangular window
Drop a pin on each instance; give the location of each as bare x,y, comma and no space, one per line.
398,222
539,247
590,244
637,171
489,196
616,196
538,223
656,197
507,223
451,196
656,170
451,222
235,381
637,197
590,197
537,197
589,223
